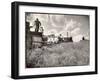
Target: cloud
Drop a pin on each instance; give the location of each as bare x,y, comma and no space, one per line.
70,24
75,31
87,36
77,38
61,24
52,31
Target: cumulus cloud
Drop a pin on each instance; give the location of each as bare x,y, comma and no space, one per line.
77,38
75,31
61,24
70,24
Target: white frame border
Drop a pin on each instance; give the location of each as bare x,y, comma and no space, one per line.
53,70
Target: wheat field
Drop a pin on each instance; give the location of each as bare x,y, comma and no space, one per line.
58,55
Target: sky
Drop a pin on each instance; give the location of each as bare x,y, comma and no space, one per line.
76,25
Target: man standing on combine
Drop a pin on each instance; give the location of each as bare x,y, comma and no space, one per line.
38,24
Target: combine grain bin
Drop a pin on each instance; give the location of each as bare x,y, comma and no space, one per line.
37,39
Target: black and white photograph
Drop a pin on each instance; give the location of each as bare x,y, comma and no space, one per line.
50,40
56,40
